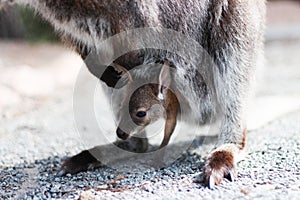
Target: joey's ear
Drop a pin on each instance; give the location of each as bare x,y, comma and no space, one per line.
124,74
164,80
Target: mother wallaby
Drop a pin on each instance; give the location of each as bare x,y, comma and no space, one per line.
231,31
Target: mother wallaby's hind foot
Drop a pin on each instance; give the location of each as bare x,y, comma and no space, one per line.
88,159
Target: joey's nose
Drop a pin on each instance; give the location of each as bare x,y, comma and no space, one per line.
121,134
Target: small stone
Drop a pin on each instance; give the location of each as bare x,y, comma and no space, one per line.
87,195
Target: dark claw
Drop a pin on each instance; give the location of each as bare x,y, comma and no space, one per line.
230,176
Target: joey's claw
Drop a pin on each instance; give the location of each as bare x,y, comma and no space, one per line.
218,166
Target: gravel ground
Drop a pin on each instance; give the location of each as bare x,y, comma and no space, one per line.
37,131
270,171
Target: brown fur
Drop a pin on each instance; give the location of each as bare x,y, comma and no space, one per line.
144,98
172,109
219,163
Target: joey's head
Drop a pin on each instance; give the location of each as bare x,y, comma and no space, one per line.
144,105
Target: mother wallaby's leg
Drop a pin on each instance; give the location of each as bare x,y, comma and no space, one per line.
235,43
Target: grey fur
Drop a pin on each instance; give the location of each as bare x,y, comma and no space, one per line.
231,31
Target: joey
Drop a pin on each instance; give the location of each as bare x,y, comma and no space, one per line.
149,103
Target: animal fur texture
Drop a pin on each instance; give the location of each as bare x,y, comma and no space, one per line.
231,31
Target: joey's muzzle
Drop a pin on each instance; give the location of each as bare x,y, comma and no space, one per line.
121,134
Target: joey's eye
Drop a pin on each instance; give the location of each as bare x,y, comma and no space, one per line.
141,114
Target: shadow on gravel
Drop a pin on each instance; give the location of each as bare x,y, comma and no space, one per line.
39,179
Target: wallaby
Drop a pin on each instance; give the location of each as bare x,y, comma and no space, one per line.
231,31
142,104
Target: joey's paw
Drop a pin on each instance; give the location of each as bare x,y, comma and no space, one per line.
80,162
111,77
133,144
158,161
219,165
